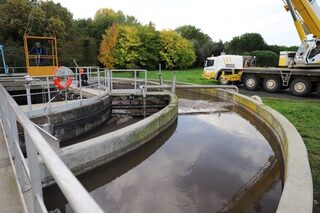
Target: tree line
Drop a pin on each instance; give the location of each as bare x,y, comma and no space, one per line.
115,40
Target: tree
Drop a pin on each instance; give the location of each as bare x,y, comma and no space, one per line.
218,48
266,58
149,49
19,16
126,52
83,27
277,49
107,47
176,51
247,42
202,43
83,49
14,54
58,20
130,47
14,19
105,17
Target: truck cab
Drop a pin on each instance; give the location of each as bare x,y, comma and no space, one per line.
216,67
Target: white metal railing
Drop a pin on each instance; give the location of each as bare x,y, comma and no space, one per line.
49,92
28,172
14,70
139,84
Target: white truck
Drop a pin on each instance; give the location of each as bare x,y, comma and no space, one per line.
299,71
226,65
227,69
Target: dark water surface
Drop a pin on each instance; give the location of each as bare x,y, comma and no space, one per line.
207,162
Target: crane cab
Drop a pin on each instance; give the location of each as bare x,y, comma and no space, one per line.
41,55
308,54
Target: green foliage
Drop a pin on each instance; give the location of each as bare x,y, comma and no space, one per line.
14,54
247,42
83,27
136,47
277,49
176,51
192,33
202,43
126,51
218,48
149,50
13,16
46,19
59,20
265,58
130,47
83,49
105,18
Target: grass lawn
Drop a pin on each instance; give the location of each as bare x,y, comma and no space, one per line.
188,76
303,114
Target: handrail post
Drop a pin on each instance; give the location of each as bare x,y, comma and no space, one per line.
160,75
98,84
35,177
146,80
135,81
173,89
80,84
49,93
28,87
14,143
105,78
111,81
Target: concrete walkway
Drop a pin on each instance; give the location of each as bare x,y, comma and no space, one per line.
10,200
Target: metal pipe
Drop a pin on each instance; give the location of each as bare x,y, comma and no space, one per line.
195,87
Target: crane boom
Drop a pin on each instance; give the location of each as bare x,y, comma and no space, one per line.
309,15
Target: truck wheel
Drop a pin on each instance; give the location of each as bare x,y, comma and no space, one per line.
222,81
318,90
271,84
300,87
251,82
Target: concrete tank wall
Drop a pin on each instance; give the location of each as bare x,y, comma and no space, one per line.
89,154
75,122
297,194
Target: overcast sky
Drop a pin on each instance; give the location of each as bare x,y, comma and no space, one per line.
220,19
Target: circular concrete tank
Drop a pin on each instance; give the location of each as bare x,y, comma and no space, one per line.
297,179
297,194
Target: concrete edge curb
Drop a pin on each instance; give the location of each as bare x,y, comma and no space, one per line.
297,194
92,153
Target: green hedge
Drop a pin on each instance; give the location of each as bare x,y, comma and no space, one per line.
265,58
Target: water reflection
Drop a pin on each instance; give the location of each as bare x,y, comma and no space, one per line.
212,163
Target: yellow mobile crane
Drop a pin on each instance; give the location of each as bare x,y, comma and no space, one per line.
299,71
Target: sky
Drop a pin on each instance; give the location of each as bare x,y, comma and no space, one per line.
220,19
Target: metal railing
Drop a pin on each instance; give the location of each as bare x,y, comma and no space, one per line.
138,83
13,70
28,171
50,93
